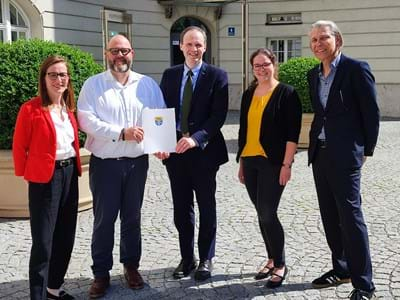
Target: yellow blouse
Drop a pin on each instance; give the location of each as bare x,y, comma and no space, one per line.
254,116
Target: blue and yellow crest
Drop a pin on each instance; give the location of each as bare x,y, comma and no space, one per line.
158,120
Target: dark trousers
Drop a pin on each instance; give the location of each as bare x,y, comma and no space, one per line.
188,177
117,186
262,183
53,210
339,198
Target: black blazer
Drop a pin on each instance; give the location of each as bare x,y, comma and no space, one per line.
281,121
351,116
208,109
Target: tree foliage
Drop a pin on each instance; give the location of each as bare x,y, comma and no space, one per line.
294,72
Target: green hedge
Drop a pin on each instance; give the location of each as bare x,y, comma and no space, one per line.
19,68
294,72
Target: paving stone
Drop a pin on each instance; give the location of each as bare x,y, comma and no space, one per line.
239,250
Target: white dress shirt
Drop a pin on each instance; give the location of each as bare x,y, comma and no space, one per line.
64,135
105,106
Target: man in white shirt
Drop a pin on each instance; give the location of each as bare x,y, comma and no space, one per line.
110,109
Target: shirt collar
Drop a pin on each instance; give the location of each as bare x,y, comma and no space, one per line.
195,70
334,63
133,76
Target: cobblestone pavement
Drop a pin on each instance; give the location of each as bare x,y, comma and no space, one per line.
240,251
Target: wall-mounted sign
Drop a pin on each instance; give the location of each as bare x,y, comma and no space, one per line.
279,19
231,31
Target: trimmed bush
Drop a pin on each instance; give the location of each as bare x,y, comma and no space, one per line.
19,68
294,72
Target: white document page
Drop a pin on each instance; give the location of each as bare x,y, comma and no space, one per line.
159,130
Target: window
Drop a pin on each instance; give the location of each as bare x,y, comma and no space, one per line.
13,23
285,48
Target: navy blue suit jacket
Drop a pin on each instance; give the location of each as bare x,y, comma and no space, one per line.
351,116
208,110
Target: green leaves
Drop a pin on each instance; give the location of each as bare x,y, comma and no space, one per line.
294,72
19,72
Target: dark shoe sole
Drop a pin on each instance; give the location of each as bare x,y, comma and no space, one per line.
202,276
95,296
183,275
263,275
275,284
326,285
136,287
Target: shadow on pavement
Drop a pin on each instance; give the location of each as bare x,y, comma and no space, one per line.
160,285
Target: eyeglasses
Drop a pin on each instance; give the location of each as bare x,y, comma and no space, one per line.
116,51
264,66
54,75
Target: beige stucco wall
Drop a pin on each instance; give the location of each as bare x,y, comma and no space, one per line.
370,29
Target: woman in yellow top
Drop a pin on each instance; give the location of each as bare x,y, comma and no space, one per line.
270,122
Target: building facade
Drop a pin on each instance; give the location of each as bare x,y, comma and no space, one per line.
371,30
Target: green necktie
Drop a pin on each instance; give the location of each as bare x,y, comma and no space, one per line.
187,98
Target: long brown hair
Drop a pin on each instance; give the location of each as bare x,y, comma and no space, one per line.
68,95
268,53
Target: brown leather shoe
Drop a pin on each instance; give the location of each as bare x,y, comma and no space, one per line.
133,278
99,287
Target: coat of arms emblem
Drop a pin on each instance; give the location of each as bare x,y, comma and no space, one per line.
158,120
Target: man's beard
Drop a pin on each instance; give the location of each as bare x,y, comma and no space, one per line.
121,68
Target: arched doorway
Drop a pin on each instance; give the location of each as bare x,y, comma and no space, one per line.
176,29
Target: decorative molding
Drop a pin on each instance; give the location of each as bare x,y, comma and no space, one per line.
218,13
169,10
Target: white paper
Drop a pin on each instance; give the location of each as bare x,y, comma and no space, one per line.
159,130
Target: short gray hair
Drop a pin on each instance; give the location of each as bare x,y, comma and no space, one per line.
333,28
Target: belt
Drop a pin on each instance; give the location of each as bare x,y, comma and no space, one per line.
64,163
119,158
322,144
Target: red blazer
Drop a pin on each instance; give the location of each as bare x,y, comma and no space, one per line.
34,142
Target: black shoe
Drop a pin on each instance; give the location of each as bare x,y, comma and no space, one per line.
265,272
357,294
62,296
203,272
274,284
329,279
184,269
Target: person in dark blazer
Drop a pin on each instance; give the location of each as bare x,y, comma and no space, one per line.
343,133
46,154
200,149
270,122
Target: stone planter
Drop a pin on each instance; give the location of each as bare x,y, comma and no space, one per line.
14,190
305,129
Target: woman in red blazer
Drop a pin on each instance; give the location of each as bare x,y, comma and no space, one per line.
46,154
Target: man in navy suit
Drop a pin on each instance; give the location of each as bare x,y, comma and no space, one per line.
343,133
200,149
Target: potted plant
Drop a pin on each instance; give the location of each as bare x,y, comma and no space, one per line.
19,69
294,72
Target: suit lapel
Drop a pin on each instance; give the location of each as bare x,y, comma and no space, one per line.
177,92
336,81
49,120
199,83
315,83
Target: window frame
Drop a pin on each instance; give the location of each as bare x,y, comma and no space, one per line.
285,52
7,28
